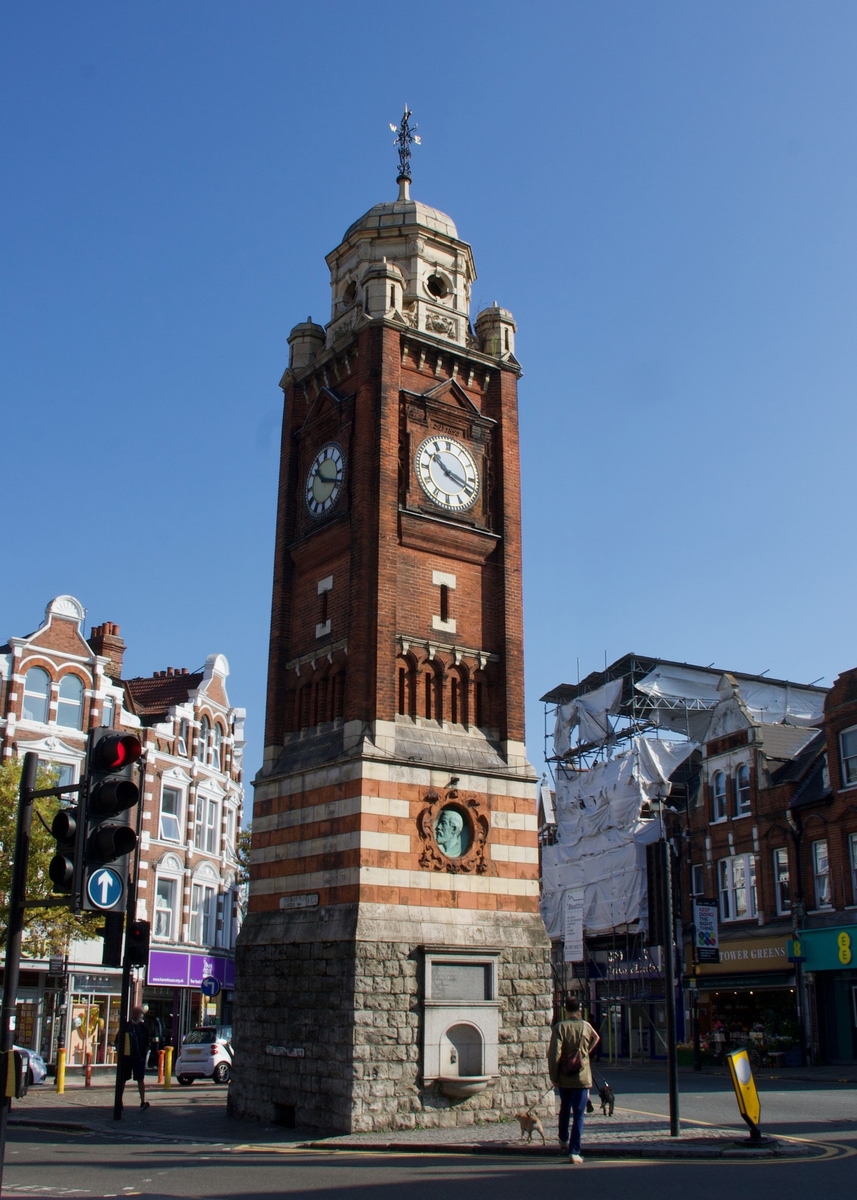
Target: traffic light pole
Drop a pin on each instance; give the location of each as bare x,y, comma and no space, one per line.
669,984
15,930
124,999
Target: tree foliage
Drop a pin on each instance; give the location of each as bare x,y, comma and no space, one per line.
47,930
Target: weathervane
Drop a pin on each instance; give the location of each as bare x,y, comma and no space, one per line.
405,135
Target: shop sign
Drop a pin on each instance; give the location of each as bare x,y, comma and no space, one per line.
170,968
96,983
572,938
829,949
705,934
749,954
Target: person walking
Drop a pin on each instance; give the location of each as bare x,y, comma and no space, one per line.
572,1042
137,1053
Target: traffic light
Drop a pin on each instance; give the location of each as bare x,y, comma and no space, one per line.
108,839
111,931
66,827
137,944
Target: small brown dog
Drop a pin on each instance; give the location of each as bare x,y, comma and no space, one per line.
530,1125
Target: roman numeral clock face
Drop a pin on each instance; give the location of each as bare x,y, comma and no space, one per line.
447,473
324,479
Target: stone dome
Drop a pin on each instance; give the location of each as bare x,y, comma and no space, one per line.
396,214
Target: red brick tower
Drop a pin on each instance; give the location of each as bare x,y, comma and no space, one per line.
392,968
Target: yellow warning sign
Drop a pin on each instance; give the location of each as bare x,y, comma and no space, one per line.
745,1086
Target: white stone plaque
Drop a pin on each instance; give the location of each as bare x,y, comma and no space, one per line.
572,938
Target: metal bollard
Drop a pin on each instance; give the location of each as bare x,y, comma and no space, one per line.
168,1067
87,1071
161,1056
61,1053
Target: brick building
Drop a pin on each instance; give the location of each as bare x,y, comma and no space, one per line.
392,967
773,836
56,685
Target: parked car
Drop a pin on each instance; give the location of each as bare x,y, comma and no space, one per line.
37,1070
206,1053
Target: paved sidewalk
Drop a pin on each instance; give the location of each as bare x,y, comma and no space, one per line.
198,1114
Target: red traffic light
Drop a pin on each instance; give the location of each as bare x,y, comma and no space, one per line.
117,751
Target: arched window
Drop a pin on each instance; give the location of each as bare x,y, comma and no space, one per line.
202,744
742,789
216,739
70,707
718,791
37,690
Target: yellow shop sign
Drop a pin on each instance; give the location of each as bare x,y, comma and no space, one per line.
750,955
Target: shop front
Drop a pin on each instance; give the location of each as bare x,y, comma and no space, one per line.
830,962
172,996
747,1001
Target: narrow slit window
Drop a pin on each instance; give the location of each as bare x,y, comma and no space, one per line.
444,602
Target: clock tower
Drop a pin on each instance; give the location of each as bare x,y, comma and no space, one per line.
393,966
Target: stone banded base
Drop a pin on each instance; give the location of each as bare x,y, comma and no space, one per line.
328,1017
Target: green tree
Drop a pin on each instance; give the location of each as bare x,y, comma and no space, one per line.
47,930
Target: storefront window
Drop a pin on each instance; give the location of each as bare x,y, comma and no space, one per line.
821,874
781,881
93,1028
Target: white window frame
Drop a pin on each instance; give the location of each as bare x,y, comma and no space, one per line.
722,796
216,743
46,696
65,767
108,705
821,890
173,908
76,704
230,829
742,809
848,760
212,828
169,786
202,740
203,912
737,876
182,737
780,859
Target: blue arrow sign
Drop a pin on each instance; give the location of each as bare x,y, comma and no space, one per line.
105,888
209,986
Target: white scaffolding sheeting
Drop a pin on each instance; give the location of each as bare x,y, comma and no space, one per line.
601,836
590,713
767,703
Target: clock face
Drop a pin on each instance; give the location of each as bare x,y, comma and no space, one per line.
447,473
324,479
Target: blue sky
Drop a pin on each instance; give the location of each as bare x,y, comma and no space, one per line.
662,193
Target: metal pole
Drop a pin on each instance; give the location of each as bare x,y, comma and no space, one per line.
15,931
130,914
669,985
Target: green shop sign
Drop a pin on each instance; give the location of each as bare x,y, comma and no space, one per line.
826,949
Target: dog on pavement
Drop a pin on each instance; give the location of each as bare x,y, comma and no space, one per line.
605,1095
529,1125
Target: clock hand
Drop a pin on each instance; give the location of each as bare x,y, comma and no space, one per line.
455,478
325,478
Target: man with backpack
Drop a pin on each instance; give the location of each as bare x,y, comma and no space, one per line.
572,1042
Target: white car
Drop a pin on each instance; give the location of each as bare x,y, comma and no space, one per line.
206,1053
36,1069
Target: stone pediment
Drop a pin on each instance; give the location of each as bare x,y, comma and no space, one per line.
450,394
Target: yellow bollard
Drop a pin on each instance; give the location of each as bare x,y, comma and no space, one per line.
61,1070
168,1067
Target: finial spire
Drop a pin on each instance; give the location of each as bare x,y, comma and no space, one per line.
405,135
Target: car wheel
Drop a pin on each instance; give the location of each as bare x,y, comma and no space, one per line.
221,1073
185,1080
